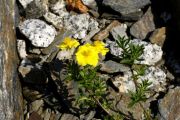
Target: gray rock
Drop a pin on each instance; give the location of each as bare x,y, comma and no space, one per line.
47,114
66,116
169,106
113,67
142,28
31,95
36,8
38,32
119,30
21,47
125,7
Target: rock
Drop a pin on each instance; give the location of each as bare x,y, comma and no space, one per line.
47,114
80,25
120,103
151,55
89,116
130,17
66,116
38,32
126,7
35,116
124,82
119,30
21,47
169,106
142,28
36,8
156,76
35,51
105,33
114,48
59,7
113,67
24,3
91,4
35,105
55,20
11,107
32,73
158,36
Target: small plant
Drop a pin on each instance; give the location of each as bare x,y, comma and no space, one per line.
83,70
140,94
131,52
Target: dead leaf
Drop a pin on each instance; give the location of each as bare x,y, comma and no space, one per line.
76,5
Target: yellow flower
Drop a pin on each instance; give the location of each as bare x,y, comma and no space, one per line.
87,55
68,43
100,47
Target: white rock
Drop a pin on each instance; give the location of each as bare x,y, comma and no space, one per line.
80,24
24,3
156,76
21,47
38,32
152,53
90,3
125,83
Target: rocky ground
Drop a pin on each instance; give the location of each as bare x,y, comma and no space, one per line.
41,25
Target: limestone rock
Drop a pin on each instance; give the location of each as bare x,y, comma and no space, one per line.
142,28
169,106
151,55
38,32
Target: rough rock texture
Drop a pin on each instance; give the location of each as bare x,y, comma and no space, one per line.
151,55
142,28
158,36
156,76
10,90
105,33
125,7
36,8
169,106
38,32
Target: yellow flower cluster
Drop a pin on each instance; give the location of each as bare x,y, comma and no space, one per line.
87,54
68,43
